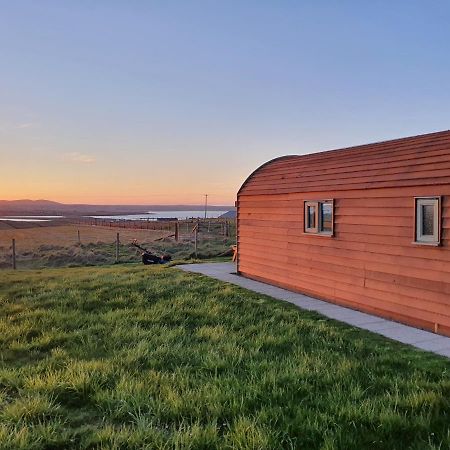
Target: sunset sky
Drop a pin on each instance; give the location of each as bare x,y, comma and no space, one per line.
162,101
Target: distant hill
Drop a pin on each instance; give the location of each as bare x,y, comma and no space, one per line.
29,203
47,207
229,215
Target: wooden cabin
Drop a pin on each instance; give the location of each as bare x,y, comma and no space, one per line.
366,227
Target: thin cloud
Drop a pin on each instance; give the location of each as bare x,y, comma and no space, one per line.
11,126
80,158
21,126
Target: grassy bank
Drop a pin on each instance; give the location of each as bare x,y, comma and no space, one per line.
149,357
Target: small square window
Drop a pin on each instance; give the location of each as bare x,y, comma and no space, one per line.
319,217
428,220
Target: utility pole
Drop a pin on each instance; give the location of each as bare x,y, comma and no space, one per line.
206,205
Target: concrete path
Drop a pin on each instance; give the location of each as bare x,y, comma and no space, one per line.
421,339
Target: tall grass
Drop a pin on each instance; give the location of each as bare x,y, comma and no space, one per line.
129,357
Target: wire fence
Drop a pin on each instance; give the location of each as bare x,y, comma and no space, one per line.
83,243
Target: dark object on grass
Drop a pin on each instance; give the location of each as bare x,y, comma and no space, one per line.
150,258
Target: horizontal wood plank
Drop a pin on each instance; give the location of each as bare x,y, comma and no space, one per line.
371,262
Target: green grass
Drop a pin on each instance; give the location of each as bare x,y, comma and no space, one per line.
101,253
133,357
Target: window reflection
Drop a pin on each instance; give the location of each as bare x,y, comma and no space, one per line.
311,217
326,217
427,220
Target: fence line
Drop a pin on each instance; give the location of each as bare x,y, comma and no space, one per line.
182,236
158,225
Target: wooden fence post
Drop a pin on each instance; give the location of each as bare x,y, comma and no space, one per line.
117,247
177,231
14,254
78,233
195,240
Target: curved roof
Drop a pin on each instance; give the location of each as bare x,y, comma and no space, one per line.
411,161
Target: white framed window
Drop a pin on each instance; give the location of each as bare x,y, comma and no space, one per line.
319,217
428,220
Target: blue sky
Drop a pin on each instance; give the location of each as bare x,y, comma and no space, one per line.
161,102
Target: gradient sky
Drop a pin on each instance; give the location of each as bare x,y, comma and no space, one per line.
162,101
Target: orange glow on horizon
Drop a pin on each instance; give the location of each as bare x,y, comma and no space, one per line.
125,200
100,189
99,198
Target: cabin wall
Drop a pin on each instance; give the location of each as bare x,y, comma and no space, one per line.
371,263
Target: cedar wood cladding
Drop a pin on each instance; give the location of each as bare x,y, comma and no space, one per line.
371,263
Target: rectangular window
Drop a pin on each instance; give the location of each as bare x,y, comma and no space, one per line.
311,217
319,217
326,217
428,220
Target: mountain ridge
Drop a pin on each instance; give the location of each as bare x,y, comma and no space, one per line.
25,206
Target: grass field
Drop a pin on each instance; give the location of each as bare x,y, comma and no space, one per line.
66,235
57,246
134,357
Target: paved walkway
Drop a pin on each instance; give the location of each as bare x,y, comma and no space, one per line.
424,340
